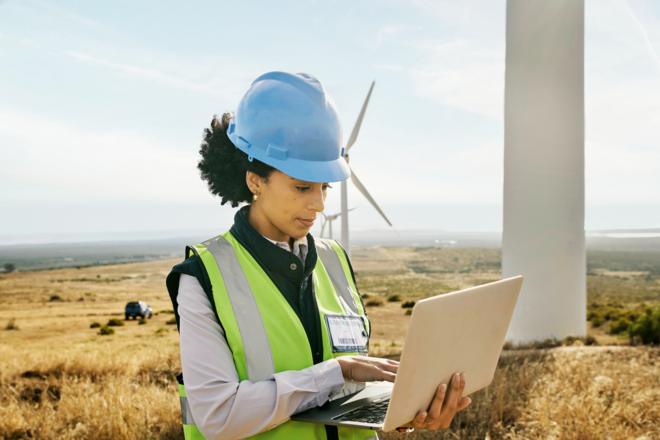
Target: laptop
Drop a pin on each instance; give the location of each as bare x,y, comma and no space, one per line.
458,331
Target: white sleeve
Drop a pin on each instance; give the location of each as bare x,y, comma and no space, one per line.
223,407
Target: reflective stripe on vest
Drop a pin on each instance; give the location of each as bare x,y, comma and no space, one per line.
334,260
186,414
258,324
251,328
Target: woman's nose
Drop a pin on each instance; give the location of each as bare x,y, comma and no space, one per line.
317,202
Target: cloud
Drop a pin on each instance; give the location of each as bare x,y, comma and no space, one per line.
462,176
49,160
389,31
464,69
57,13
147,73
389,67
622,106
462,75
653,54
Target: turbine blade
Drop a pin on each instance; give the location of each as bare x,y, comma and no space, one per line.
358,122
365,193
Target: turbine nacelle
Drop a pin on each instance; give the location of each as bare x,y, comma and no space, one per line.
328,219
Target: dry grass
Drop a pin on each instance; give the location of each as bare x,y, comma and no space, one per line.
564,393
59,379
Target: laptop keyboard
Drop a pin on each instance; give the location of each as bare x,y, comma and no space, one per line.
372,413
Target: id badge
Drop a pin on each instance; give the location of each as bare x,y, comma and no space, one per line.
348,333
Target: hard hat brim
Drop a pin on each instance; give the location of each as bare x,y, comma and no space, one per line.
312,171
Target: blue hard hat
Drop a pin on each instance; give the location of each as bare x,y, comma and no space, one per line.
288,121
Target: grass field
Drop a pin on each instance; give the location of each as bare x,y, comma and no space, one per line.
61,379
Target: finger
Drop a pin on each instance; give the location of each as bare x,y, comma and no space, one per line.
384,362
389,367
362,359
453,394
378,368
463,403
386,375
419,422
436,404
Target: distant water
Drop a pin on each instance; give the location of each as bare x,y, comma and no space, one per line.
628,235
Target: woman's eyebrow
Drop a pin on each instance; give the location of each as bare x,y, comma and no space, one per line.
302,182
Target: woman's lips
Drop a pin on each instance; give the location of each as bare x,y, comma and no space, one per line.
306,223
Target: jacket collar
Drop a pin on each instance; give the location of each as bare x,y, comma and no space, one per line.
271,257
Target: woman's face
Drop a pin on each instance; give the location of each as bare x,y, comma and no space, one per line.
285,207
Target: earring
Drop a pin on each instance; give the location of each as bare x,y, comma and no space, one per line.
255,197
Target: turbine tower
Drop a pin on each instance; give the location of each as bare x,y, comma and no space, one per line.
345,241
543,223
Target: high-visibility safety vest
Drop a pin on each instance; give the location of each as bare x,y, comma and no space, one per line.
262,330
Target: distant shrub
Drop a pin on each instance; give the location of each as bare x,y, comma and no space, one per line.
95,325
114,322
374,302
393,298
161,331
619,326
54,298
142,321
105,330
612,315
597,321
579,340
408,304
646,329
408,312
590,340
365,295
171,312
171,321
545,343
8,267
11,325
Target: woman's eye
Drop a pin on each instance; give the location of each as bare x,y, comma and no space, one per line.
302,188
326,186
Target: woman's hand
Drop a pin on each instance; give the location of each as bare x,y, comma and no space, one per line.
366,368
446,403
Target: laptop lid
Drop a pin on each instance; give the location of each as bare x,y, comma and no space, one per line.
458,331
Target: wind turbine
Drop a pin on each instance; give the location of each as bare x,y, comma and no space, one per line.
358,184
328,219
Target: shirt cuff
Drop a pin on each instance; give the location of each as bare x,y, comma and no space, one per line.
328,378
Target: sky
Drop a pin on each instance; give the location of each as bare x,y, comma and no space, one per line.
102,107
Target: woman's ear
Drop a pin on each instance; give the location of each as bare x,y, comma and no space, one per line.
254,182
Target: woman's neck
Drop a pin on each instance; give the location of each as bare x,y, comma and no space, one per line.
258,220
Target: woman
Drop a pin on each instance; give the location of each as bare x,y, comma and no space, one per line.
257,306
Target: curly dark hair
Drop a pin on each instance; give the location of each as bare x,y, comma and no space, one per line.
223,166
